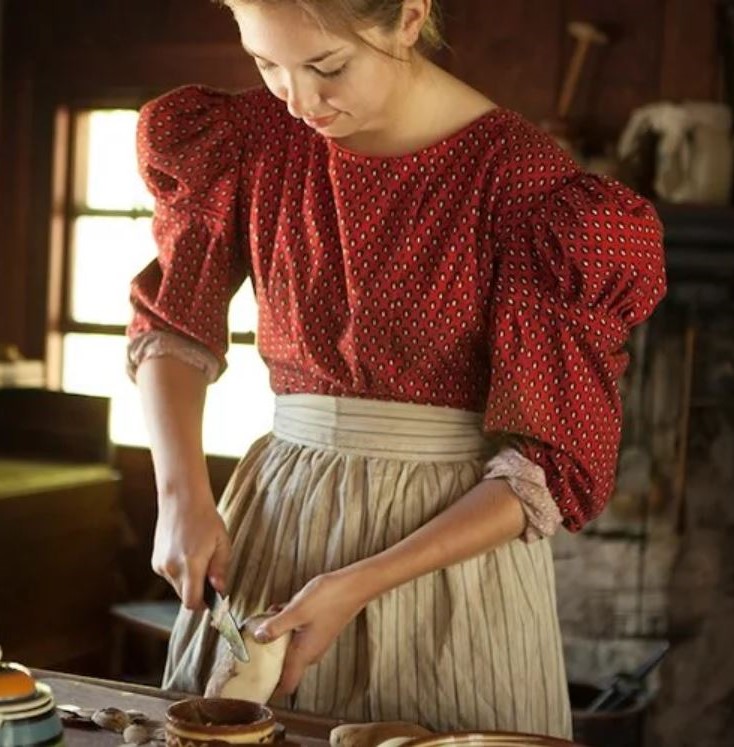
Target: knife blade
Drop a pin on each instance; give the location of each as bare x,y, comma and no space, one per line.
223,621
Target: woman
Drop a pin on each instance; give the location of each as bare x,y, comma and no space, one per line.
443,301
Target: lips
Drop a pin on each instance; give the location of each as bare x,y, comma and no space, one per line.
320,122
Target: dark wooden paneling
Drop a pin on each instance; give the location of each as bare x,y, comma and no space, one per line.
689,68
112,26
222,65
15,193
497,48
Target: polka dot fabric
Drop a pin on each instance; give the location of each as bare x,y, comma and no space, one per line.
189,153
483,273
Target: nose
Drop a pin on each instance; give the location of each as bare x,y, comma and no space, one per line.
302,96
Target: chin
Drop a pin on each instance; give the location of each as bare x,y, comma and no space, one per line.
341,130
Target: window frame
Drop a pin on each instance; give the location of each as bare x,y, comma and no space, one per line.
68,205
69,170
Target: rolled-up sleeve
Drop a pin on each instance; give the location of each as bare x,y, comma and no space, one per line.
190,151
579,262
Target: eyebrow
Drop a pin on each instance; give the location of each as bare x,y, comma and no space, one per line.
318,58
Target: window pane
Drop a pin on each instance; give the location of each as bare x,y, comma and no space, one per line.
239,406
113,182
108,252
95,364
243,309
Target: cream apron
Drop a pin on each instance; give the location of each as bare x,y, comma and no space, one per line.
474,646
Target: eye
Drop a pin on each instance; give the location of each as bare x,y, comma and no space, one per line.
265,66
330,73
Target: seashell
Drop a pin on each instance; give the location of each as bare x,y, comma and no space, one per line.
112,719
76,716
137,717
136,734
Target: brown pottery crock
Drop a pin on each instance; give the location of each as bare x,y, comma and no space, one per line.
203,722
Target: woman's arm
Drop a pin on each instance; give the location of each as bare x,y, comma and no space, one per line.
488,516
191,540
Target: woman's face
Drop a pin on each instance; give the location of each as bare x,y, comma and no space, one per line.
335,84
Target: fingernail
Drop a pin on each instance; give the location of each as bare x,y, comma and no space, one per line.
262,635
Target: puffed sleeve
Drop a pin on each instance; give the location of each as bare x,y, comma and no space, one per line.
578,263
190,149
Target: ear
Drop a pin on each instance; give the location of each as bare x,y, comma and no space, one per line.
415,15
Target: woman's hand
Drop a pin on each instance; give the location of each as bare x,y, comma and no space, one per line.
486,517
191,542
316,616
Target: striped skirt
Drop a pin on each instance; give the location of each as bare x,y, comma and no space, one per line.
473,646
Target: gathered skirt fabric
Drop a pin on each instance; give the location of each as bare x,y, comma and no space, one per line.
473,646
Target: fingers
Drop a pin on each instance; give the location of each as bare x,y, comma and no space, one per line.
285,619
307,645
192,590
186,580
219,566
168,572
294,665
187,549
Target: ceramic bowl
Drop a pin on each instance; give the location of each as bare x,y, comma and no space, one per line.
198,722
489,739
27,710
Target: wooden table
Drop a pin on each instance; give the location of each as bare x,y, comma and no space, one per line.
87,692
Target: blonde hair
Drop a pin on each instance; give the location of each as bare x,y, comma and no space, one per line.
347,14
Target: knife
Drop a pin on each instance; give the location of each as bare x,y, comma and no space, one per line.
223,621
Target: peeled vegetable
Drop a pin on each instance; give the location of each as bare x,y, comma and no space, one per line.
255,680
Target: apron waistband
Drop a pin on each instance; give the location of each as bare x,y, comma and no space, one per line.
374,428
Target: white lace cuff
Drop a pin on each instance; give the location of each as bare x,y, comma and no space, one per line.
158,344
527,481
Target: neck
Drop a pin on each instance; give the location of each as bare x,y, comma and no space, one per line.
427,105
410,115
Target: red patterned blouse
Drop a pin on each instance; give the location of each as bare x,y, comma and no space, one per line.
485,272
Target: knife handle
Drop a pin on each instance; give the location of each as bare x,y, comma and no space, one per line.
210,594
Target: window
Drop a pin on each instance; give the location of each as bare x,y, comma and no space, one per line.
106,239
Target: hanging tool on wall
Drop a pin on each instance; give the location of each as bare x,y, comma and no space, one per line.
586,35
626,688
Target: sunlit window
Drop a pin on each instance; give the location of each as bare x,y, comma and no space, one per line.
109,241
